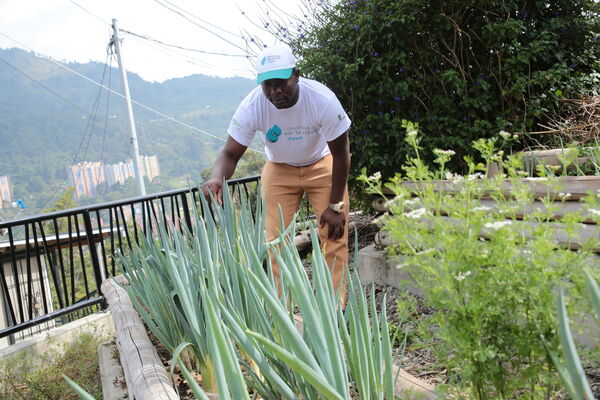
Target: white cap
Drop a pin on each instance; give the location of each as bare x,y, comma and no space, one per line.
275,63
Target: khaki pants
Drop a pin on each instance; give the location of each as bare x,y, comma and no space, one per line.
283,185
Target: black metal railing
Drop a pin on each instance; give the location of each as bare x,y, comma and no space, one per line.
52,264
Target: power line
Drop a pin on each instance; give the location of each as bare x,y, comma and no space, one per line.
203,20
91,116
107,109
168,117
94,108
91,123
146,37
101,85
44,86
191,60
91,13
198,25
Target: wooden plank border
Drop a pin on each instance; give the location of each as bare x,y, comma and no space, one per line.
577,186
145,374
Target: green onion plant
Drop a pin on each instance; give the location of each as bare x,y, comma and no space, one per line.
209,295
571,370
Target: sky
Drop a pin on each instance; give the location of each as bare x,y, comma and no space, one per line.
79,30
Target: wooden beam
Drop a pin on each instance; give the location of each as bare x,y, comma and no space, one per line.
145,374
577,186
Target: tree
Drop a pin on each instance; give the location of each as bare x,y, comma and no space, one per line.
64,202
461,69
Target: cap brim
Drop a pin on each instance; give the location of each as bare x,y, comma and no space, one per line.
278,74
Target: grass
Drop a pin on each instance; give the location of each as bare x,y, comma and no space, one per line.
27,377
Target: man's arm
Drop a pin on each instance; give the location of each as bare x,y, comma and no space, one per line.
223,168
340,150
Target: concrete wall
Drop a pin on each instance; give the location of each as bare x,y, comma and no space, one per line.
99,324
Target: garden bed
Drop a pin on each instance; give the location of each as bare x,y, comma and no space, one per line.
468,231
365,230
414,319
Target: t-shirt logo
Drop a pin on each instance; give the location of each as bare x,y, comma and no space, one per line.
273,134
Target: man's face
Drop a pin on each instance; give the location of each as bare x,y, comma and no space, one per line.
283,93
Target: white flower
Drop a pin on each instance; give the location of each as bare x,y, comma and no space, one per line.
461,277
375,177
391,202
455,178
441,152
412,133
515,136
416,214
411,202
505,135
476,175
497,224
594,211
564,196
480,208
498,156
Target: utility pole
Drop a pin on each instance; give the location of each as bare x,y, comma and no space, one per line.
136,150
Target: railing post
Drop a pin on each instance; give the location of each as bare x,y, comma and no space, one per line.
186,210
87,221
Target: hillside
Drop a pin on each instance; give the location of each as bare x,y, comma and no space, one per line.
52,118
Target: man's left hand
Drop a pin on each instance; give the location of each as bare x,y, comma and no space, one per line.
335,222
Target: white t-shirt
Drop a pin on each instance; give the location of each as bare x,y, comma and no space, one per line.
297,135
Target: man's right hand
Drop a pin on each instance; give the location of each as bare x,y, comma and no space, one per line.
214,186
223,169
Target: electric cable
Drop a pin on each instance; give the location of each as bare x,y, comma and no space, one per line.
106,113
101,85
89,115
168,117
172,45
91,13
94,113
146,37
198,25
44,86
203,20
191,60
91,121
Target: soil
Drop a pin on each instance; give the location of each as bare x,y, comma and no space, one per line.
417,354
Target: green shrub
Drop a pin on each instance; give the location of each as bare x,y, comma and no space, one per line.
462,69
490,277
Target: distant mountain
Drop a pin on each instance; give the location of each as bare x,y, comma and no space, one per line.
51,118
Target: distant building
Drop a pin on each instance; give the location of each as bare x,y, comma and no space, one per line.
119,172
86,177
150,167
5,191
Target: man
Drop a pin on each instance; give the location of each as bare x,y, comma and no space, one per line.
305,132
